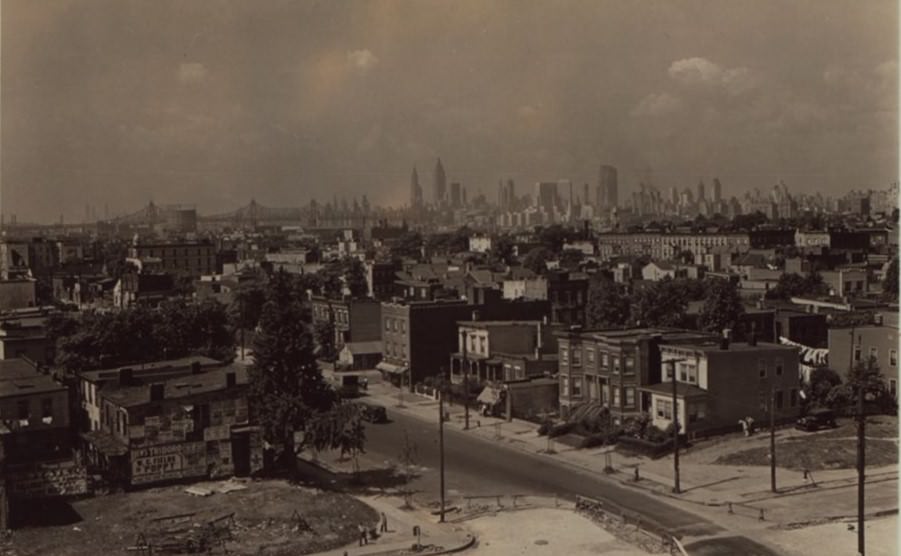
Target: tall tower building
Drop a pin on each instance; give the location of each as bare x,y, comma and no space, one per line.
415,190
717,191
608,188
546,196
456,199
701,191
440,184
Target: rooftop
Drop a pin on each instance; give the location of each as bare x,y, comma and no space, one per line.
180,387
733,346
138,368
683,390
17,378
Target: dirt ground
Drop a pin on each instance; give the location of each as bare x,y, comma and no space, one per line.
881,538
827,449
263,521
545,532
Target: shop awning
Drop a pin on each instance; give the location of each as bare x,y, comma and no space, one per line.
389,368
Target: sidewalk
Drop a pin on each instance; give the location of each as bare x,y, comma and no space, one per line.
438,538
710,486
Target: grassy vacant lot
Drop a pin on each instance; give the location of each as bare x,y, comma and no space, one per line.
828,449
264,521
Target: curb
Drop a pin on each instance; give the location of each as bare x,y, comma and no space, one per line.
470,540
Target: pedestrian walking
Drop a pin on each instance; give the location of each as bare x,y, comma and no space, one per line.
383,524
363,538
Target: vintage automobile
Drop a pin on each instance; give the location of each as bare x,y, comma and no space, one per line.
374,413
816,419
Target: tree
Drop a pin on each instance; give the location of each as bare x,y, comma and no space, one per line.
793,285
355,278
502,250
660,304
890,282
340,428
554,236
608,304
246,306
722,307
536,260
288,393
864,377
816,390
325,337
409,459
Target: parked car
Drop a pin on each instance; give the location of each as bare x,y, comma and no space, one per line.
816,419
374,413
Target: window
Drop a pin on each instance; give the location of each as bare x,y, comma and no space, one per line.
564,386
403,326
577,387
874,352
589,354
762,400
387,324
778,366
615,364
47,407
893,388
605,360
564,355
629,365
629,397
577,357
23,410
761,367
893,358
857,353
483,345
793,397
616,395
779,400
664,409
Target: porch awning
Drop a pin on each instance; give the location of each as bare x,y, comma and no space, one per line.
389,368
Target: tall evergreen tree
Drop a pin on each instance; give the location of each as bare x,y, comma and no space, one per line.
722,307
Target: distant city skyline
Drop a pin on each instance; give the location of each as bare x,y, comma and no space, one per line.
112,104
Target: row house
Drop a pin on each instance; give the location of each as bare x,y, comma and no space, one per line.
664,246
34,414
181,259
355,320
719,384
608,367
503,351
419,336
852,346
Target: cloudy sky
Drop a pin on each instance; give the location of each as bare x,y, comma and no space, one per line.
214,102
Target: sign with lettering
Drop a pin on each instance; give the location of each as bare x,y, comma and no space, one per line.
166,462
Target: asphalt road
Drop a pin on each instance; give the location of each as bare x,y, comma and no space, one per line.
477,466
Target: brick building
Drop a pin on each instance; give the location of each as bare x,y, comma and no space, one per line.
180,259
355,320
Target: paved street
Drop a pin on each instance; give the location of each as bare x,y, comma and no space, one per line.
476,466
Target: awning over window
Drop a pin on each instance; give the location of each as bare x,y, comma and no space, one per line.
389,368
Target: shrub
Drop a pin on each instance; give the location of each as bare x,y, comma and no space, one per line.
561,429
545,428
593,441
656,434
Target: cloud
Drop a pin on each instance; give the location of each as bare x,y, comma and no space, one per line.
363,60
701,71
192,72
657,104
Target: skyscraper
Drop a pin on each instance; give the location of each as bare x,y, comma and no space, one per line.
608,189
717,191
456,199
415,190
440,184
701,193
546,196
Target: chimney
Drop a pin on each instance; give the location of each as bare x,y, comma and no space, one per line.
157,392
724,341
126,376
231,379
195,367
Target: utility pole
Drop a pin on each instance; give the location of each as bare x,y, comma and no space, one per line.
861,466
242,328
772,438
464,362
441,445
676,488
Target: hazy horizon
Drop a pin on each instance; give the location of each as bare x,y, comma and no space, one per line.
112,102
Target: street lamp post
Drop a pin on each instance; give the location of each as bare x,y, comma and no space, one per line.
441,445
861,467
676,488
772,439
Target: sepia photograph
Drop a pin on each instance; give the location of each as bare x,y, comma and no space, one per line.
424,277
